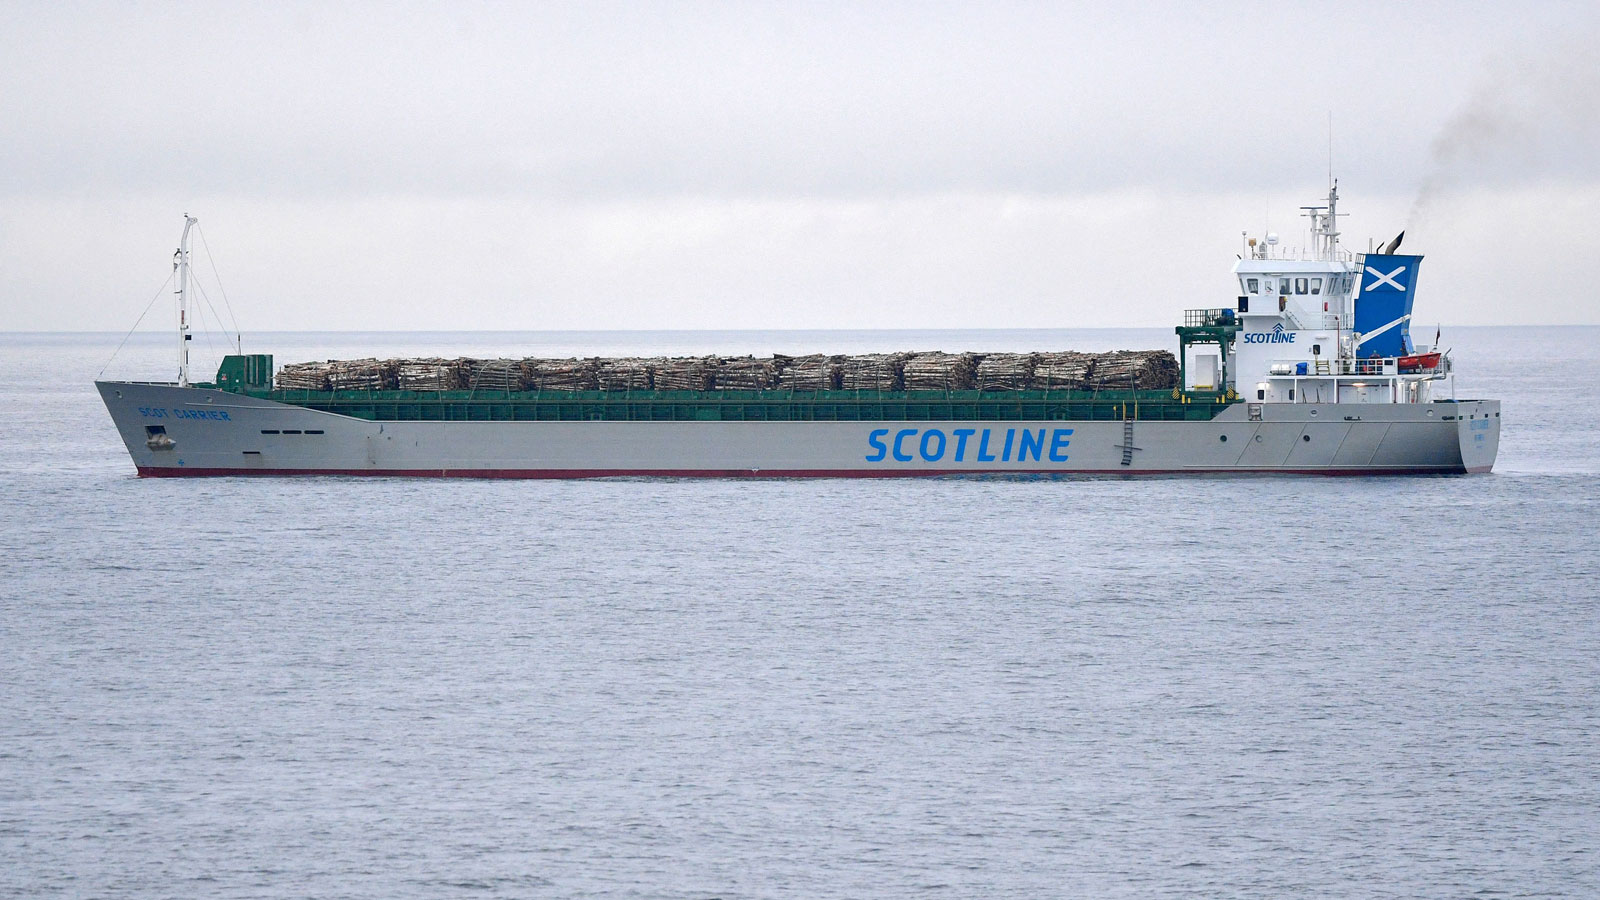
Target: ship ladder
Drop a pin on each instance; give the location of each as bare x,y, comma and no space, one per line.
1322,366
1127,440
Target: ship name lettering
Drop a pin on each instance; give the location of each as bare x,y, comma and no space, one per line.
215,415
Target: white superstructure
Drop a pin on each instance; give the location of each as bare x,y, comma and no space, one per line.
1298,339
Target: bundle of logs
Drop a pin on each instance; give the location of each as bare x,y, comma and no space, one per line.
1066,371
625,374
423,375
1128,369
807,373
931,371
339,375
940,371
494,374
692,374
311,376
872,372
557,375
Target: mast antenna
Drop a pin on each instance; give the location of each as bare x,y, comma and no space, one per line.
180,265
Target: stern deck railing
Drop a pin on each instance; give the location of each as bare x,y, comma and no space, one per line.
1368,366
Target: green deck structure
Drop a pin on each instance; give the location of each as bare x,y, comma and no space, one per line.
1205,326
749,406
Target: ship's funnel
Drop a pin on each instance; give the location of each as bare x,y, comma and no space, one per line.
1383,307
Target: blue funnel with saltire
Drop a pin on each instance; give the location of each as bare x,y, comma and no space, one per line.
1383,305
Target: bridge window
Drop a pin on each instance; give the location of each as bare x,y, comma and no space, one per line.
1251,285
1300,286
1316,285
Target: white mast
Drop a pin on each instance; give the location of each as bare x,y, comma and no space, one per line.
180,263
1330,229
1325,225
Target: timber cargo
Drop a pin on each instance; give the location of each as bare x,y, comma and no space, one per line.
1071,372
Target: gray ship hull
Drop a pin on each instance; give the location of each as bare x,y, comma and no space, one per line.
174,431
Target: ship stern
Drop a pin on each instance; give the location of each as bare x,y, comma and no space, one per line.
1478,434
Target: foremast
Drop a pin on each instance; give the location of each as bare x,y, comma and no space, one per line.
180,266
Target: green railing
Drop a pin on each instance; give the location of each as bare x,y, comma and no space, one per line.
1209,318
752,406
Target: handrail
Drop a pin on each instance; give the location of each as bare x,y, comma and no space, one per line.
1209,318
1387,365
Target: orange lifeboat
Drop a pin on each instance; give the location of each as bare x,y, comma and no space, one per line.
1419,362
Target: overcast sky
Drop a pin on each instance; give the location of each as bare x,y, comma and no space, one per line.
797,165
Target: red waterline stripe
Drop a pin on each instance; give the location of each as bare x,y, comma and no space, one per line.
191,472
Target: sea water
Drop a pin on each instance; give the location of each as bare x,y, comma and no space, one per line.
1006,687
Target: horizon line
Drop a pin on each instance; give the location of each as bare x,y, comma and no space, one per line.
703,330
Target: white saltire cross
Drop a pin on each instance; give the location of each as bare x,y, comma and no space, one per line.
1389,278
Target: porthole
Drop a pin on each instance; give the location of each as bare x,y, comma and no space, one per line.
1314,412
1258,439
1223,438
1306,438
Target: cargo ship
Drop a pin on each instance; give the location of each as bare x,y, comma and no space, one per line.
1310,370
